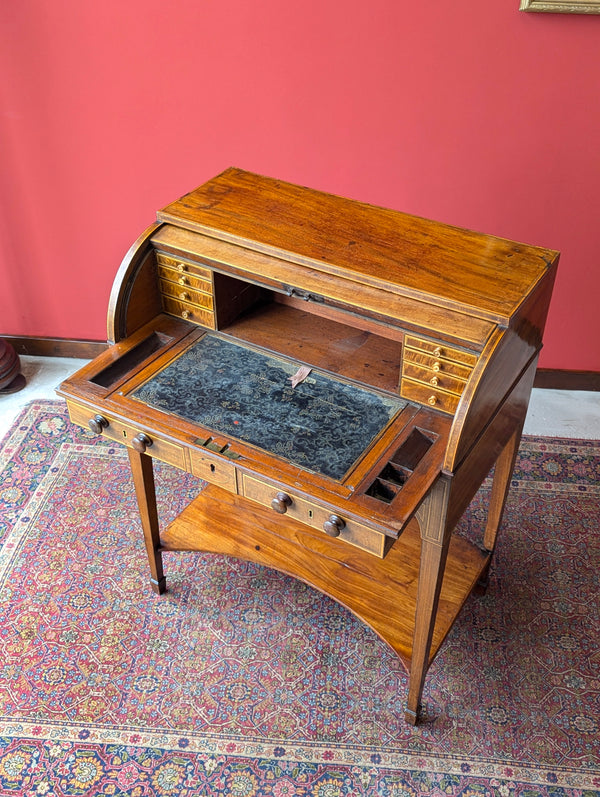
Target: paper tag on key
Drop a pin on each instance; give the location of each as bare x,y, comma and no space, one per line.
300,375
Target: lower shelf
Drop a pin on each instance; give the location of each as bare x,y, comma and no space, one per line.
381,592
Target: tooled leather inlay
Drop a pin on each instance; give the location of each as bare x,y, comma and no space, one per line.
323,424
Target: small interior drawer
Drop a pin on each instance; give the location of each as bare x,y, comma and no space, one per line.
189,311
441,351
436,379
306,512
185,280
183,266
428,395
436,364
185,294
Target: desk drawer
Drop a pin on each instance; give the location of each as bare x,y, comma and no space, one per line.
185,294
120,432
434,374
437,351
437,364
183,267
214,470
189,311
432,396
185,280
437,379
316,516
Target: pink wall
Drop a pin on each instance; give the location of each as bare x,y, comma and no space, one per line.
468,111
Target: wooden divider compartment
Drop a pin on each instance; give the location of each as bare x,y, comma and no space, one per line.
390,480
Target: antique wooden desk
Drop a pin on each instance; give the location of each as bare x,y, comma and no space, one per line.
419,342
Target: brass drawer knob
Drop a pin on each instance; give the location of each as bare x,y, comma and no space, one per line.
281,502
184,295
437,352
434,381
432,400
182,281
334,525
181,267
437,366
141,442
97,424
186,314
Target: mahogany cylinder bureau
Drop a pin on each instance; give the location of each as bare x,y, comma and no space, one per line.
343,377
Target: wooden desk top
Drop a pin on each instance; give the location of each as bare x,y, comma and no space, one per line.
465,271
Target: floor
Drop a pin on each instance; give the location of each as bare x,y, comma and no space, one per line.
552,413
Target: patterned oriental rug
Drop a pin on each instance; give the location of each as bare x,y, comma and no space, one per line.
241,681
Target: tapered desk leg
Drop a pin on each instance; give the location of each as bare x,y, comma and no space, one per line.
143,479
500,486
435,540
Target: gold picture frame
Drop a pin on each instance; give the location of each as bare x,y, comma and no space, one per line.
562,6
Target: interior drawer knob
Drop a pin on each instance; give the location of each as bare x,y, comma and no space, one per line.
97,424
334,525
281,502
141,442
